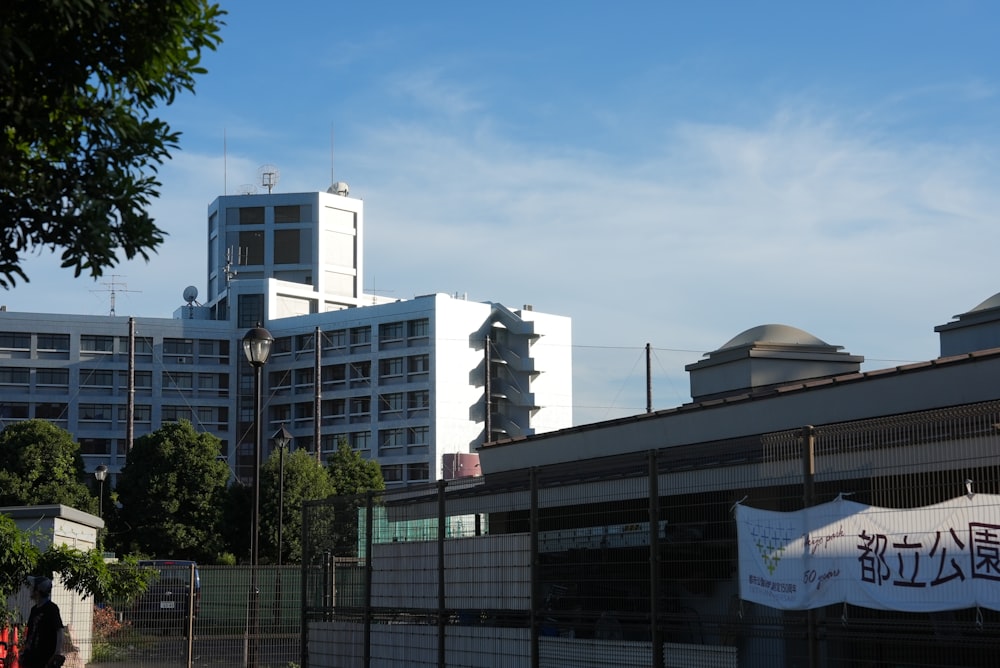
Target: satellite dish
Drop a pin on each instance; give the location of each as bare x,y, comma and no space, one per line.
248,189
339,188
269,176
190,294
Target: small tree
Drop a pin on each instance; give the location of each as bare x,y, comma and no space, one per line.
171,490
351,473
353,477
40,464
305,480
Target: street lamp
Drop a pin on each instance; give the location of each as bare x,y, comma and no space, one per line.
282,438
257,347
101,473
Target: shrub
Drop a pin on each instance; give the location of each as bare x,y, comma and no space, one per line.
107,625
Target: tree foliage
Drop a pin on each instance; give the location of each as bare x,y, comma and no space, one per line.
305,480
18,557
351,473
171,490
40,464
335,527
84,572
235,529
79,146
88,573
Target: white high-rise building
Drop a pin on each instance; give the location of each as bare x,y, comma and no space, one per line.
406,381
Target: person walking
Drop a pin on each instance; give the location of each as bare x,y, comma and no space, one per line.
44,640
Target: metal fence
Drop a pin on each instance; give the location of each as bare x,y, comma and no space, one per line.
200,616
633,561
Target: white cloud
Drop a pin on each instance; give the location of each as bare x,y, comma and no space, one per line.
817,222
808,222
433,90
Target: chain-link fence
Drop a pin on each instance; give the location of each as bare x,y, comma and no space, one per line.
202,616
633,561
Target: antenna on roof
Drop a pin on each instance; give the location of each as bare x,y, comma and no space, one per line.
336,187
269,176
114,288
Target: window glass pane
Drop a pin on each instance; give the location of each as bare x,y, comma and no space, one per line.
177,380
96,377
95,412
52,377
419,363
15,340
13,410
250,310
178,347
251,215
392,473
391,403
391,331
360,440
251,248
286,247
142,413
59,342
417,472
337,339
100,344
419,399
391,367
418,327
50,411
95,446
287,214
13,376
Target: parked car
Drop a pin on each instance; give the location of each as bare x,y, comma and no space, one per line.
172,594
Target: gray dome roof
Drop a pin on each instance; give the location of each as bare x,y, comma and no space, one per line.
992,302
774,335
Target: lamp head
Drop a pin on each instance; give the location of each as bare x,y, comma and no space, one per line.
257,346
282,437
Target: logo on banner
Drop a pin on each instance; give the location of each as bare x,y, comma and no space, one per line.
771,543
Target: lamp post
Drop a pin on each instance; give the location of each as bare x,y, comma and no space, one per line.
101,473
257,348
282,438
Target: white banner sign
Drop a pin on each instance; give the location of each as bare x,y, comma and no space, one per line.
941,557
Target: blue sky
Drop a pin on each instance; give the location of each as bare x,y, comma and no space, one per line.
662,172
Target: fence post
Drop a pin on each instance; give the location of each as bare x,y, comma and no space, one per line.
307,558
327,586
442,617
536,574
369,539
809,499
655,632
189,622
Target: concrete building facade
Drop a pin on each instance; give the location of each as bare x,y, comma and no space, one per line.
405,381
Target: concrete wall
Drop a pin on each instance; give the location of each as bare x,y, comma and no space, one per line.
61,525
